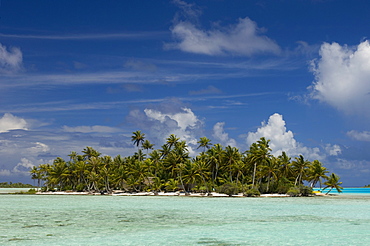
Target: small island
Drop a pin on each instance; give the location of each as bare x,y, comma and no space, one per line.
15,185
171,170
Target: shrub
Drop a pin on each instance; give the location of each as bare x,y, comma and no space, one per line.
252,192
294,191
305,190
80,187
229,189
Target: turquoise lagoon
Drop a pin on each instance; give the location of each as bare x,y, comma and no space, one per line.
121,220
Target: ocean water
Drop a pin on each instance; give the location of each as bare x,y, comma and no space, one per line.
13,190
349,191
121,220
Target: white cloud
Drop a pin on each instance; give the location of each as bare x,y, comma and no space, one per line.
10,61
220,135
359,136
185,119
90,129
282,140
342,77
333,150
242,38
23,167
170,117
10,122
39,148
5,172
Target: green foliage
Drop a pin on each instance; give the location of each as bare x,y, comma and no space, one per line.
294,191
252,192
29,192
333,182
67,187
229,189
305,190
171,168
80,187
15,185
300,190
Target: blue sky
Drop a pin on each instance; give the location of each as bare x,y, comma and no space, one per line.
89,73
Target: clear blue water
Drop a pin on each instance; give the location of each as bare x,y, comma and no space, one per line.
349,191
108,220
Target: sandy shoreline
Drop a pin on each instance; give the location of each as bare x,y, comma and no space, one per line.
121,193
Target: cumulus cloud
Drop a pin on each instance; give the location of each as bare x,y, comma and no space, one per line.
342,77
359,136
10,122
333,150
10,60
184,119
283,140
90,129
5,172
20,149
220,135
243,38
23,167
171,117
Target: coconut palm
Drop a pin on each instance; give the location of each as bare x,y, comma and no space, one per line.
147,145
205,143
172,140
270,169
215,158
137,138
333,182
232,160
301,167
89,152
316,173
258,154
36,174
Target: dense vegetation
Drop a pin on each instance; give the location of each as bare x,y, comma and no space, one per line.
170,168
15,185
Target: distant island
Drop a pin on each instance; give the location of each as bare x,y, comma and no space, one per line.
170,168
15,185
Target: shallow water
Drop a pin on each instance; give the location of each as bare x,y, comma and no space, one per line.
109,220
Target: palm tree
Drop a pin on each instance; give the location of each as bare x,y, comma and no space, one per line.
172,140
137,138
215,158
301,166
88,153
147,145
270,169
284,165
258,154
36,174
232,160
316,173
333,182
205,143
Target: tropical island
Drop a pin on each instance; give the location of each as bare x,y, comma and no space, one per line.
15,185
170,168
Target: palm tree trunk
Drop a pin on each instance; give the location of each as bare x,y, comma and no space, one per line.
254,174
